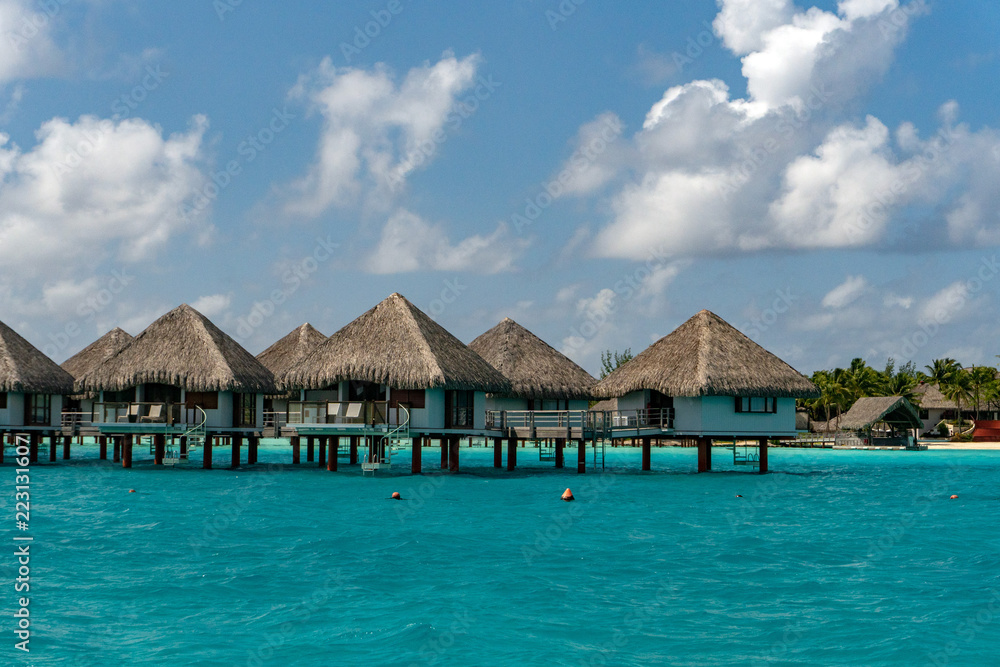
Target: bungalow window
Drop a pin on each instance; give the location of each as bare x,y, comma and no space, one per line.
411,398
3,401
459,405
925,414
360,390
244,410
38,409
757,404
206,400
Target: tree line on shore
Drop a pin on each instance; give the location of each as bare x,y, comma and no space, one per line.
973,389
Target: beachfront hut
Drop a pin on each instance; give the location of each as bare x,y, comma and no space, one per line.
32,386
395,355
883,420
281,357
933,407
87,360
541,377
181,365
707,380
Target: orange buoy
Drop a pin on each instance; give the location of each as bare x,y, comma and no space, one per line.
131,490
953,498
568,495
396,496
738,495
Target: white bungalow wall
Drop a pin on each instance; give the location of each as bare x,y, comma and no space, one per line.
719,417
14,414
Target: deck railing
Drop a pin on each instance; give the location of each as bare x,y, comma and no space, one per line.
344,412
501,420
74,419
138,413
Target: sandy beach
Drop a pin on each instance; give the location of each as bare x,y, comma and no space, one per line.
962,445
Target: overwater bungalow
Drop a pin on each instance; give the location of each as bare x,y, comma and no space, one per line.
32,387
541,377
393,371
706,381
78,407
183,378
279,358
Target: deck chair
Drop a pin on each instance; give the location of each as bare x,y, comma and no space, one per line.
131,415
332,412
353,411
155,414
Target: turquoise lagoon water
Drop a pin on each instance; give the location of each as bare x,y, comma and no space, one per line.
836,558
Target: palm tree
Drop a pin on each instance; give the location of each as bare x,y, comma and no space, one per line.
979,380
901,385
956,389
941,370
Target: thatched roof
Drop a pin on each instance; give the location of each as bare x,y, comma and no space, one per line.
396,344
291,349
893,410
607,405
931,398
535,369
97,352
184,349
24,369
706,356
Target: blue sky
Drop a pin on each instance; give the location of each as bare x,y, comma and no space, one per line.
820,175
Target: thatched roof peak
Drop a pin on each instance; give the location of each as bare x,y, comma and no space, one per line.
535,369
24,369
396,344
97,352
706,356
894,410
291,349
184,349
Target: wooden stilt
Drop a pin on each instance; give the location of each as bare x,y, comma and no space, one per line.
415,455
184,445
497,452
453,445
646,453
127,451
581,456
33,439
235,443
310,449
322,451
2,436
511,453
116,455
103,442
52,448
252,445
206,461
444,452
331,453
762,467
560,452
67,439
296,450
704,454
353,450
160,449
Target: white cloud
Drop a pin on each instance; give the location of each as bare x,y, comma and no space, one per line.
783,168
375,133
892,300
846,293
409,243
947,304
27,49
212,305
94,190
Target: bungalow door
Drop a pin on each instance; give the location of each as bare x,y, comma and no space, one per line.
661,409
